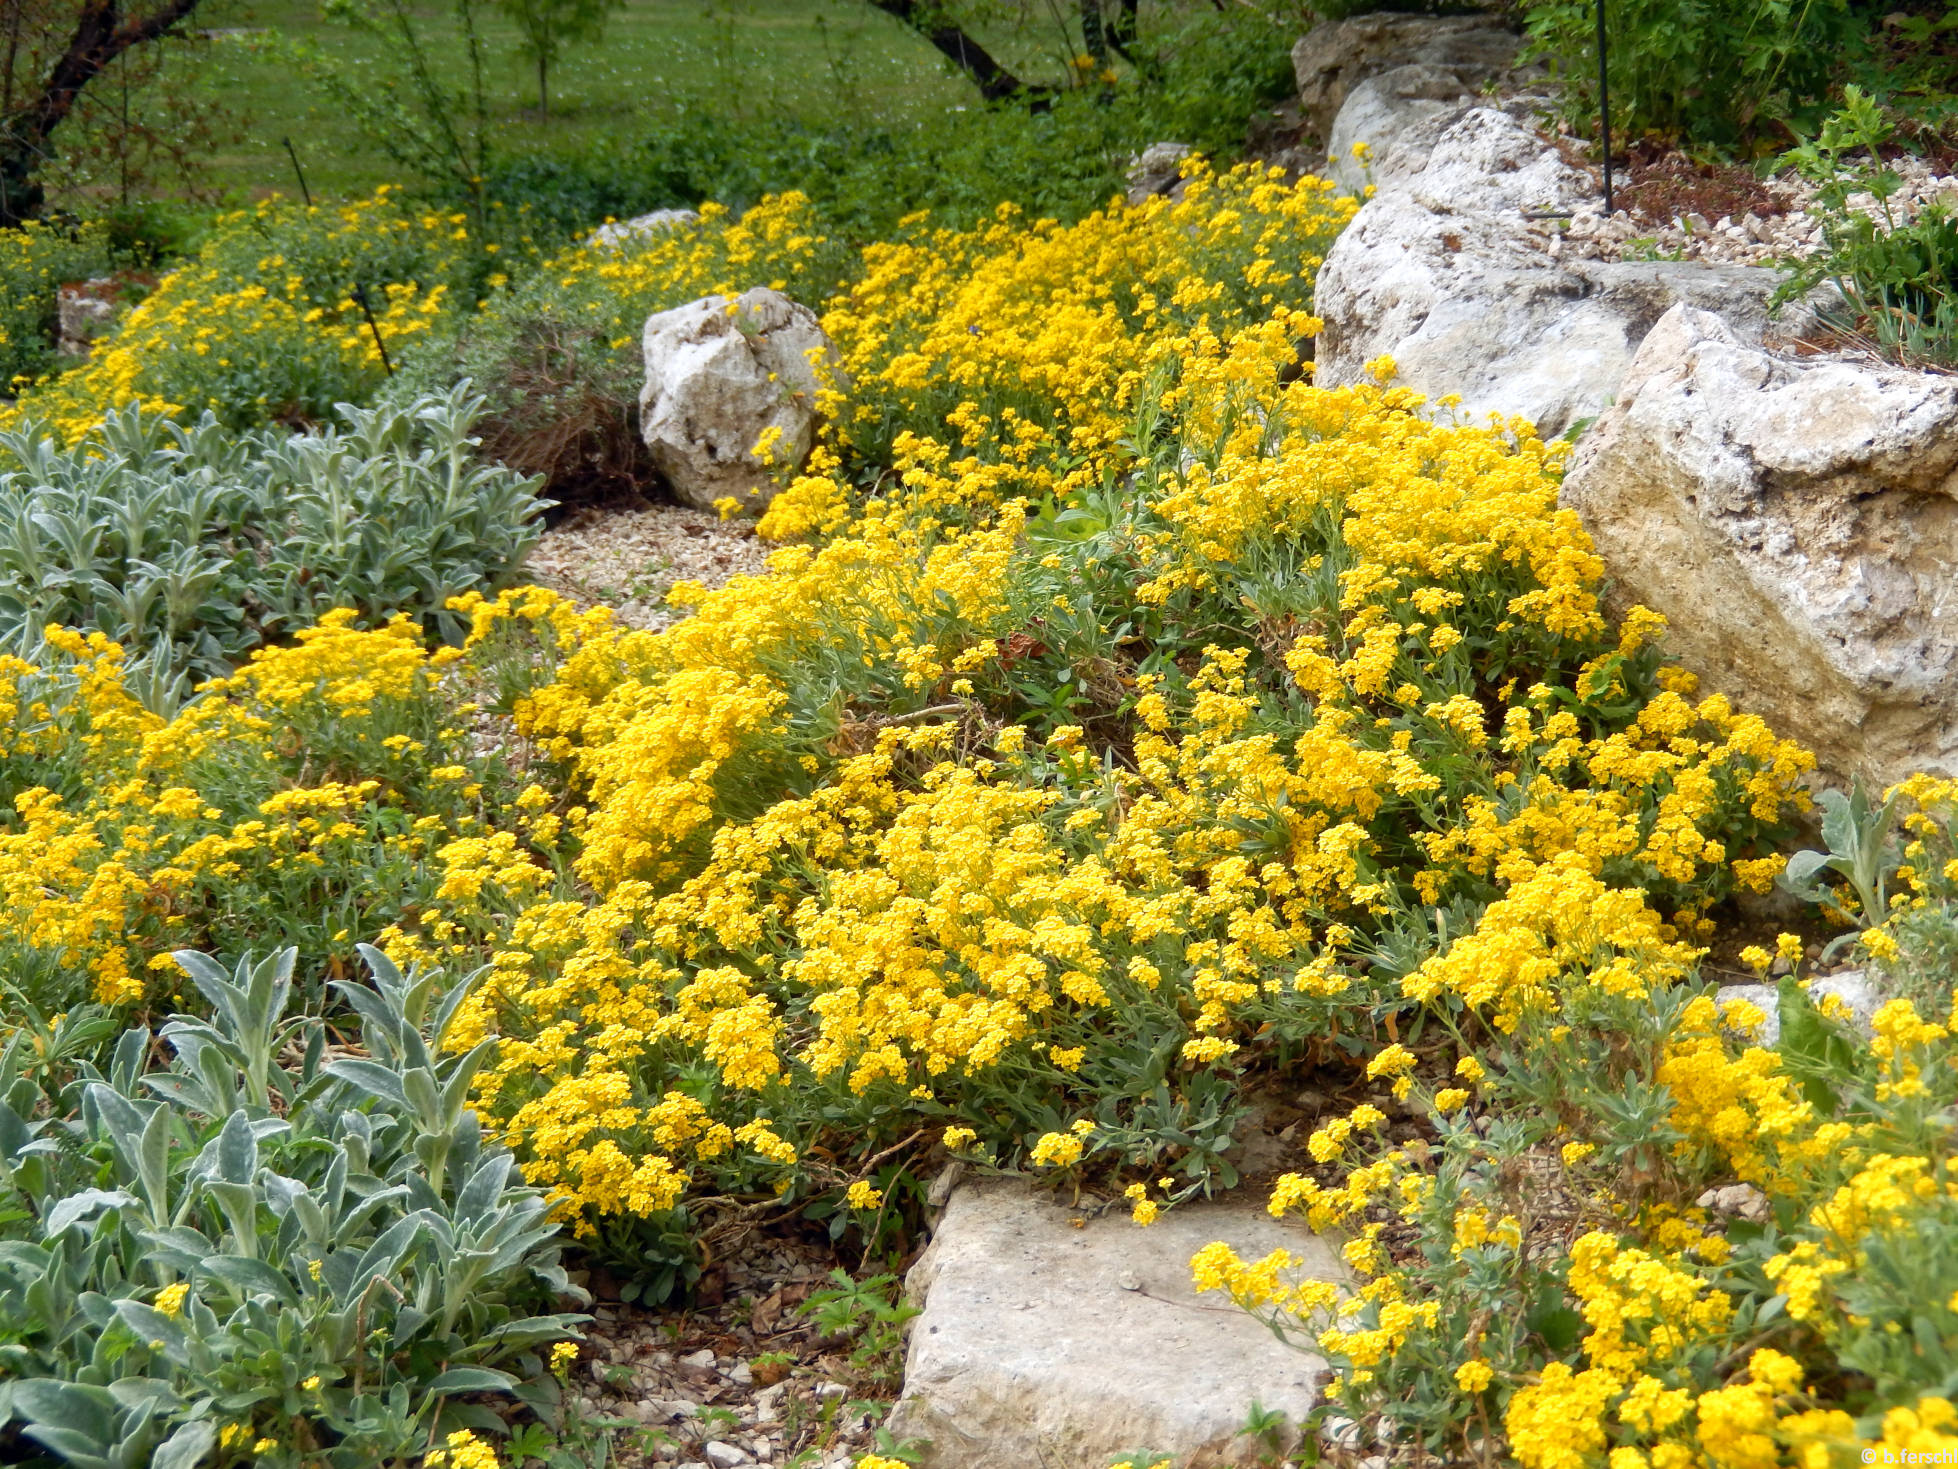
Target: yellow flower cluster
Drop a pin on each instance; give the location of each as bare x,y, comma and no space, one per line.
1008,360
462,1450
132,835
267,320
1845,1137
823,866
609,285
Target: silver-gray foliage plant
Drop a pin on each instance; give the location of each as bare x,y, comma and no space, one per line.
263,1237
192,545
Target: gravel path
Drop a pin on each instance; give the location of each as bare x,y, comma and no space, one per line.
627,555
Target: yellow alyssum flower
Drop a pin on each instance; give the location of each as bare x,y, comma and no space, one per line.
1057,1150
462,1450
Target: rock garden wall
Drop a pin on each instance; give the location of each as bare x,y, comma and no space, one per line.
1788,507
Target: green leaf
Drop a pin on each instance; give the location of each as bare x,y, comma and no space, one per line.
470,1379
73,1406
153,1162
187,1447
154,1330
1552,1319
1812,1048
372,1078
237,1150
1803,868
67,1212
246,1278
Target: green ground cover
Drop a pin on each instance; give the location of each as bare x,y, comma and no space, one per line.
659,60
821,63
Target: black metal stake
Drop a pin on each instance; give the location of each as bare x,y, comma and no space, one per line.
1604,109
298,172
360,295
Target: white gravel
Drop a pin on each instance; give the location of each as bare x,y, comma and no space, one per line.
627,556
1749,240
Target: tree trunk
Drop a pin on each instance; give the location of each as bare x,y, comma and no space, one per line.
1093,36
993,80
543,90
102,33
1123,31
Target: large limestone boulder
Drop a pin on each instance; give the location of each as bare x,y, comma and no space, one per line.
1797,520
1442,273
1048,1341
721,374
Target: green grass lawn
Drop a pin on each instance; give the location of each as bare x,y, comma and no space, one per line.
813,59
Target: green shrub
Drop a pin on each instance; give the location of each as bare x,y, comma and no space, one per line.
1717,72
191,546
1201,82
1895,272
235,1253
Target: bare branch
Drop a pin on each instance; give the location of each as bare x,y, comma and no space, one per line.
102,33
994,81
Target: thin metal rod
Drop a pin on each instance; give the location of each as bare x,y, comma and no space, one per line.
298,172
360,295
1604,107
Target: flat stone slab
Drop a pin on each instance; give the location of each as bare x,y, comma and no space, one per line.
1049,1346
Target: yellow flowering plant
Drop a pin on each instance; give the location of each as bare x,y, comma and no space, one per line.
36,260
1572,1283
1123,720
267,322
303,800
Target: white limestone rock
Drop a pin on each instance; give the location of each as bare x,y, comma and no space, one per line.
625,234
719,375
1797,521
1443,273
1738,1201
1157,169
1043,1343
